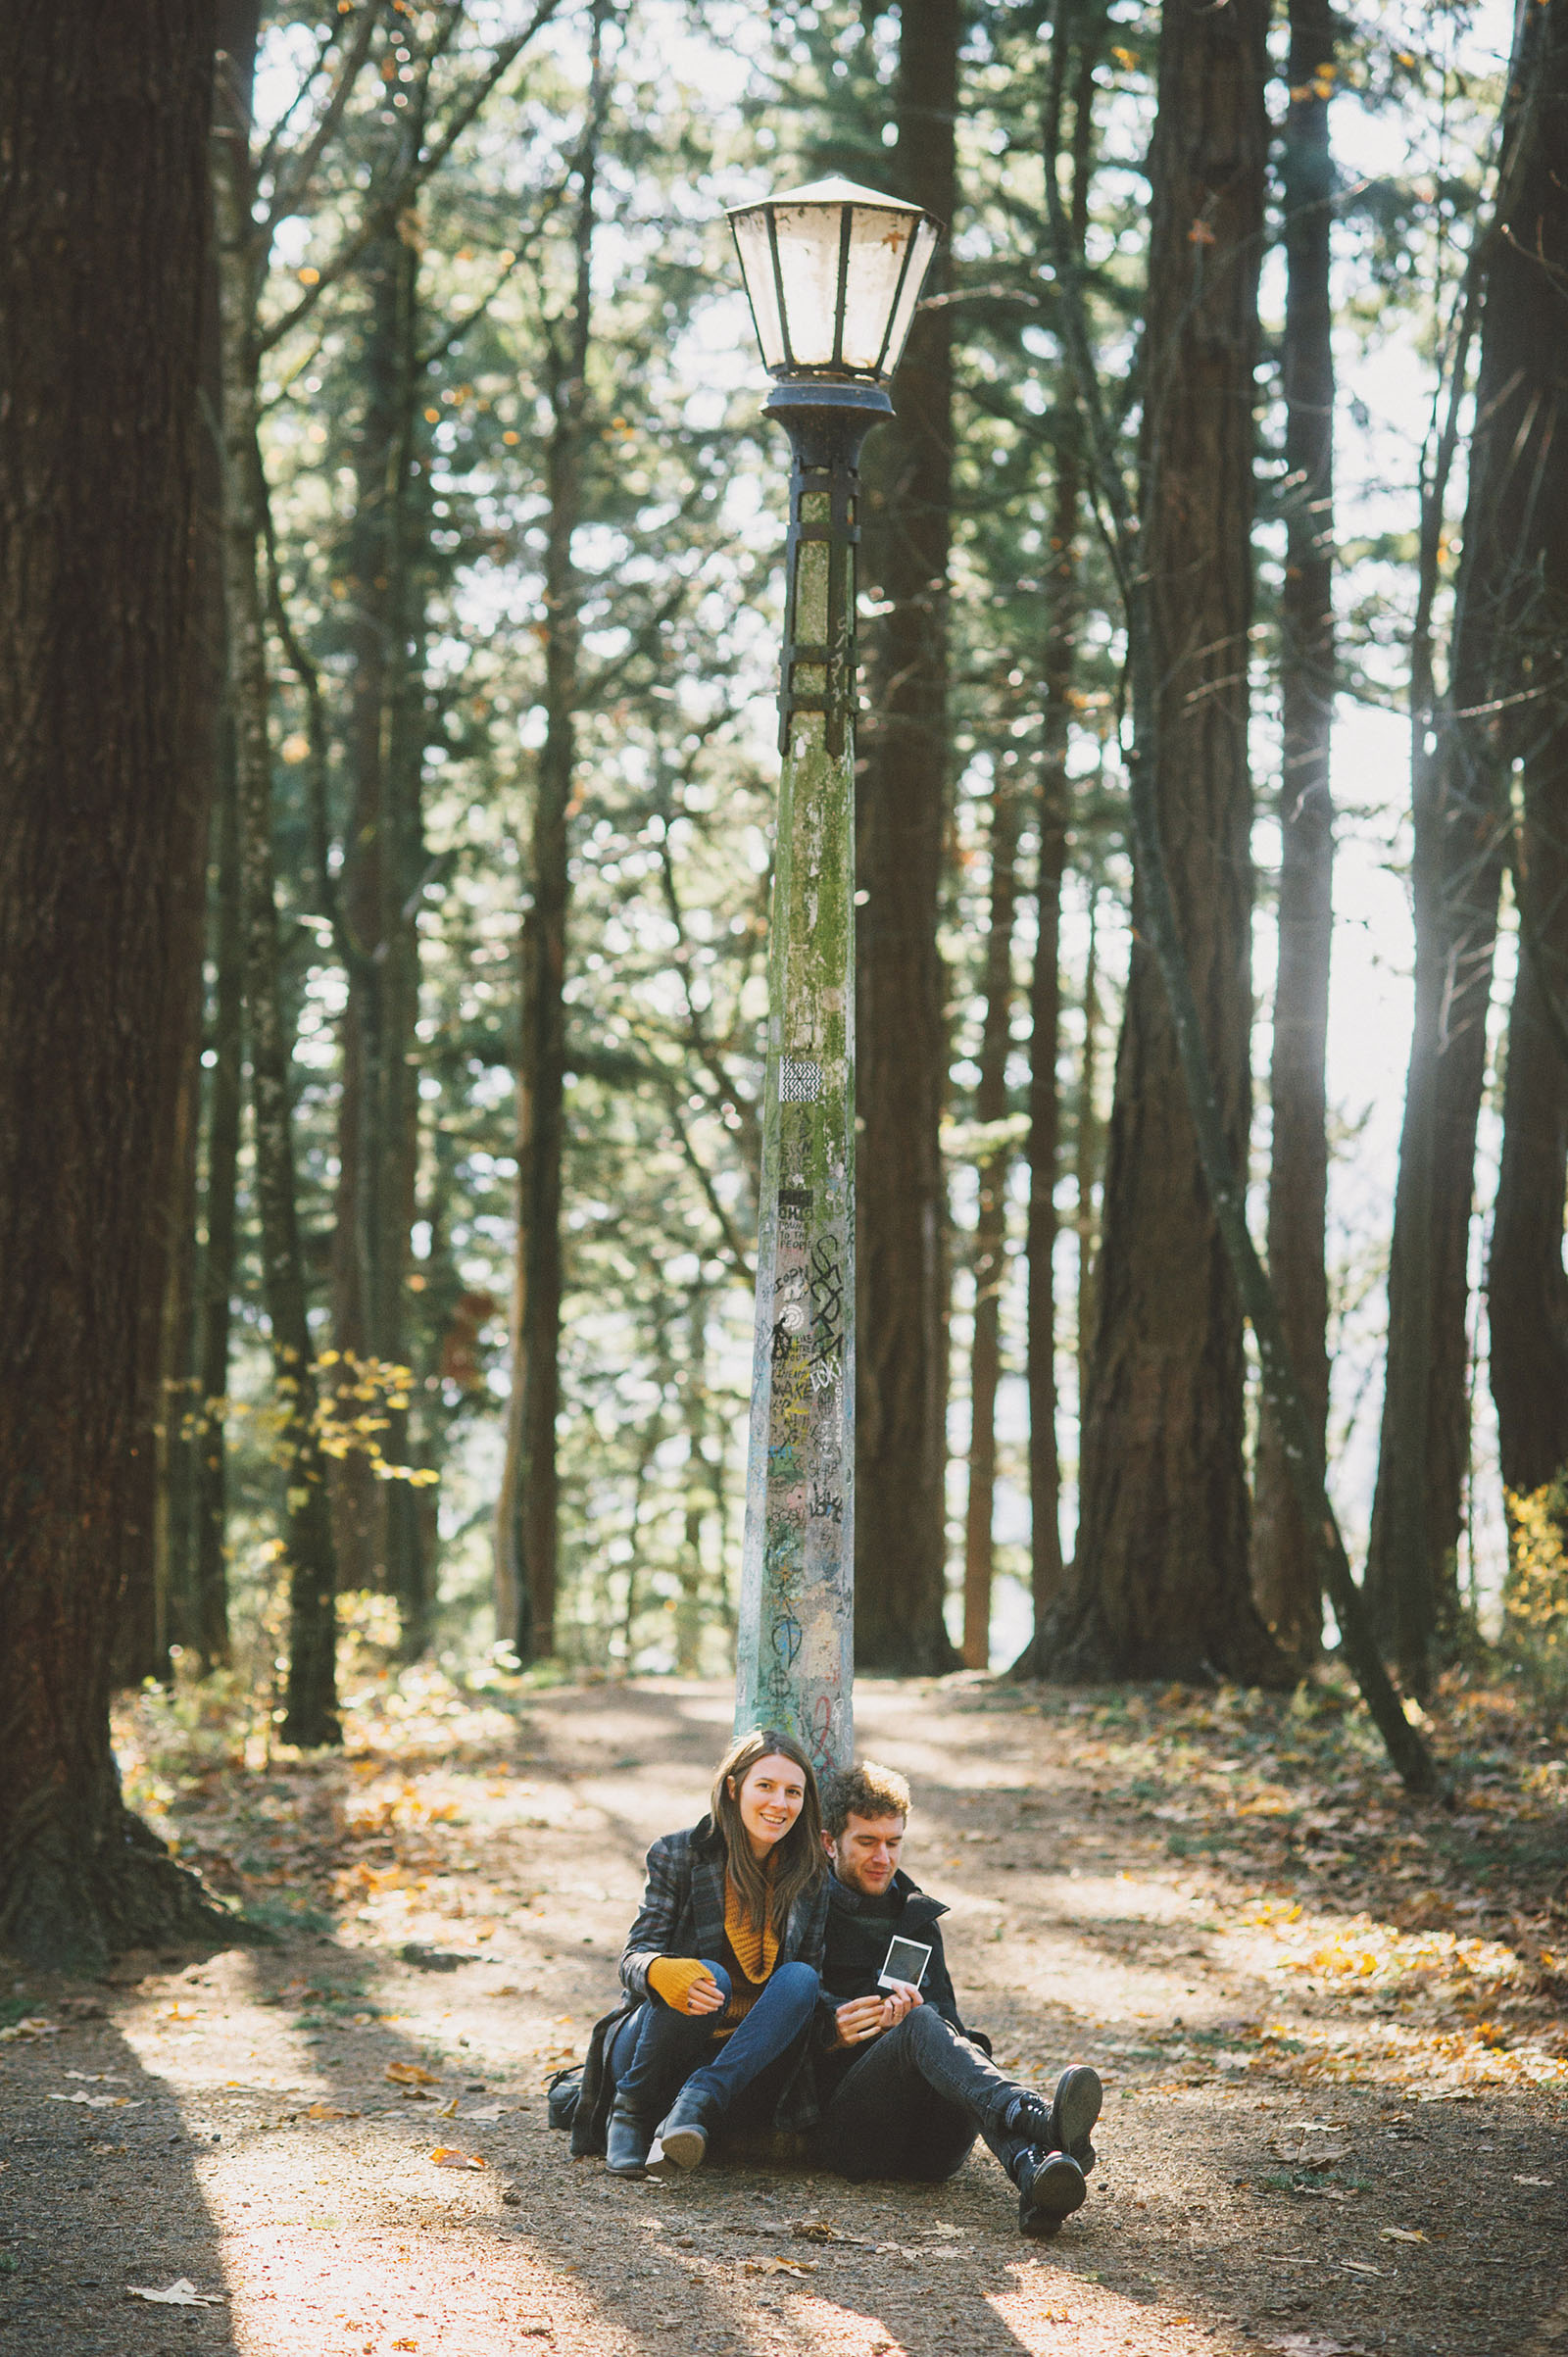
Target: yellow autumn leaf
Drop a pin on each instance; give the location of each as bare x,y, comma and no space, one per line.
448,2156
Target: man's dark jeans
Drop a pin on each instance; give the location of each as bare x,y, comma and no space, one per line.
656,2050
912,2105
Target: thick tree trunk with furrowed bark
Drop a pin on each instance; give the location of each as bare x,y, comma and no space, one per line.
103,118
1160,1586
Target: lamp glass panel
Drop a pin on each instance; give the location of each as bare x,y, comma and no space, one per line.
878,242
925,245
808,264
757,265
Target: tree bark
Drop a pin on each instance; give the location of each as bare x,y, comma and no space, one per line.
902,803
103,118
1526,337
311,1713
1222,1175
377,1522
215,1280
1461,754
1161,1585
1085,40
1086,1156
991,1226
1527,1291
528,1537
1284,1564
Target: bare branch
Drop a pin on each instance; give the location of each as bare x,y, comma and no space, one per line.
406,183
291,181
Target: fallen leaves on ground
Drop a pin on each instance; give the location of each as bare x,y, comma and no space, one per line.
448,2156
412,2073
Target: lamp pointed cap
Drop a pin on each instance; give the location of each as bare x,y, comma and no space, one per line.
834,191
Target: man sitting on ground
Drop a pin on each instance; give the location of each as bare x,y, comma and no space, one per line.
905,2089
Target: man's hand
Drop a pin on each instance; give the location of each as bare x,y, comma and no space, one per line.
862,2018
704,1996
865,2018
903,1998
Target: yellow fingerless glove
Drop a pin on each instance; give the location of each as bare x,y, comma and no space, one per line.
671,1976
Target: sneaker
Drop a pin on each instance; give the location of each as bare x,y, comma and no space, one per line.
1051,2187
1074,2109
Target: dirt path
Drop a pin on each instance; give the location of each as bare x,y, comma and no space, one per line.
1332,2033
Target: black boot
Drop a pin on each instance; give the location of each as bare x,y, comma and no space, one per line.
627,2143
1051,2187
681,2138
1062,2126
1074,2110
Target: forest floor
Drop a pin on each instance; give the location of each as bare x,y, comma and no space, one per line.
1332,2028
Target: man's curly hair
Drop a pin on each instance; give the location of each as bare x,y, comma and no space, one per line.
864,1791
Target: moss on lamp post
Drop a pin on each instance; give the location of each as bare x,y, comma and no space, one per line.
794,1664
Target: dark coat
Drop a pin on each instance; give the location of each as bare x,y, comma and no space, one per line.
858,1934
682,1914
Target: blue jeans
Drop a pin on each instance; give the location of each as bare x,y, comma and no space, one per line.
656,2052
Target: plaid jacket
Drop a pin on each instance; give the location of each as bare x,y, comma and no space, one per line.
682,1914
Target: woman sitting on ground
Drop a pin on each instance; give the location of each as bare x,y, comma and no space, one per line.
720,1973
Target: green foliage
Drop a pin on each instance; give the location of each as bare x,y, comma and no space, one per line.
1535,1597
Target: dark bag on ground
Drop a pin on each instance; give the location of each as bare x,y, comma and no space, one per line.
561,2102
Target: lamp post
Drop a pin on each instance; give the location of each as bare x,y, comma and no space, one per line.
833,273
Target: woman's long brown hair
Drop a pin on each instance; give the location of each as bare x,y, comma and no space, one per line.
797,1864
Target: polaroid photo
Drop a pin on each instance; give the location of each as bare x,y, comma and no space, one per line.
905,1960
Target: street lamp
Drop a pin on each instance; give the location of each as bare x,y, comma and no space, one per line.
833,273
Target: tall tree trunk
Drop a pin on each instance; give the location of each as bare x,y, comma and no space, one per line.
377,1522
991,1226
1086,1157
103,118
699,1491
1055,802
1507,568
214,1281
1284,1565
1160,1584
1525,342
208,777
902,1362
528,1537
1527,1291
311,1714
158,1608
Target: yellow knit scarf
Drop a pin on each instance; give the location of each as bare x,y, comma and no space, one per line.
755,1948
